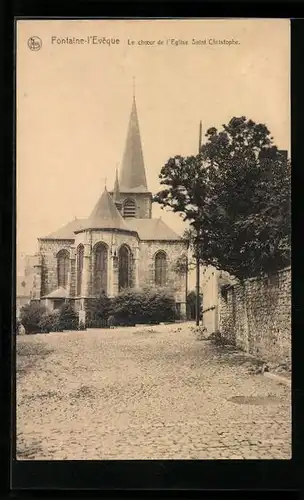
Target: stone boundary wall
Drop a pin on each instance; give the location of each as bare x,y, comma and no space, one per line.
256,316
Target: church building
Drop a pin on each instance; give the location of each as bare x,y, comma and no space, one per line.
120,245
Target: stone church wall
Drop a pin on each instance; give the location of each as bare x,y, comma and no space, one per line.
173,250
146,263
48,250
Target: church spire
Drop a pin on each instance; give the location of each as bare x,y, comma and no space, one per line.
133,175
116,193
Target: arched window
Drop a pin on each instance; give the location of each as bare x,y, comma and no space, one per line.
124,267
100,270
80,253
160,268
129,209
63,263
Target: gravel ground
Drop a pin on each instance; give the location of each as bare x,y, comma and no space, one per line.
144,393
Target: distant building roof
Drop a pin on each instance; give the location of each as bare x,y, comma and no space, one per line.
153,229
60,293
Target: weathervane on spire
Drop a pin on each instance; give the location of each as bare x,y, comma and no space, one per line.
133,87
104,179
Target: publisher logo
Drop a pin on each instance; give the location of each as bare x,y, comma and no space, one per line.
34,43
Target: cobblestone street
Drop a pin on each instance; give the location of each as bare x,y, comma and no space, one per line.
143,393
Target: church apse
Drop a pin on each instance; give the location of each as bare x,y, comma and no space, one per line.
119,245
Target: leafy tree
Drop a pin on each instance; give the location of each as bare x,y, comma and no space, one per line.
236,196
183,265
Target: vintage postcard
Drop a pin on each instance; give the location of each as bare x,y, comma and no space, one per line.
153,280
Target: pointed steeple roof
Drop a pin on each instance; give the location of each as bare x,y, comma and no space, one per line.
116,194
116,190
133,175
105,215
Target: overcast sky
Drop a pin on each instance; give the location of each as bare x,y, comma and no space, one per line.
74,102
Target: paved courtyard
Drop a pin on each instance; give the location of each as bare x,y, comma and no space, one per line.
144,393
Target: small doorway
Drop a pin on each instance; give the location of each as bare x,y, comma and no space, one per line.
57,303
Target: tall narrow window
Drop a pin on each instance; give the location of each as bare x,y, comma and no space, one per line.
160,269
129,209
63,263
100,271
124,267
80,253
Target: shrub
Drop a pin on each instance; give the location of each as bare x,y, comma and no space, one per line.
218,338
68,318
200,332
97,311
81,326
55,318
149,306
31,315
18,326
50,322
111,321
46,323
96,323
126,307
158,306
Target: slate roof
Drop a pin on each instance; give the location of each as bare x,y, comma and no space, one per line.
147,229
153,229
105,215
60,293
66,232
116,190
133,174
